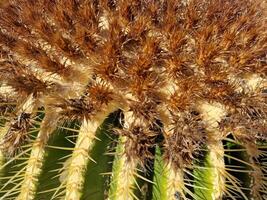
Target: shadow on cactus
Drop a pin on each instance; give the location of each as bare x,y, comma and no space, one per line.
124,100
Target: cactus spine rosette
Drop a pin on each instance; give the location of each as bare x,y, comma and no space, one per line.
124,100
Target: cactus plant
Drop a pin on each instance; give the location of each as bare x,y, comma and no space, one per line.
141,99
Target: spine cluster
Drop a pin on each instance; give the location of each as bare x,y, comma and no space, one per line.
185,74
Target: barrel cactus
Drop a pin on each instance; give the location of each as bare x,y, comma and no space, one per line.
141,99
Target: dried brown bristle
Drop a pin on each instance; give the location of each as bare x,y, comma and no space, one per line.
17,134
159,61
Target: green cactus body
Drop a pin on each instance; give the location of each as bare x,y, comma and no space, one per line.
128,100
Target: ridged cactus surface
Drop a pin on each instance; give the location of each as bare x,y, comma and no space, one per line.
127,100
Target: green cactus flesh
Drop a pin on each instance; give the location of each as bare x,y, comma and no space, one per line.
128,100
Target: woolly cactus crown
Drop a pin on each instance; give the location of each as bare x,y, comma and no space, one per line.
185,75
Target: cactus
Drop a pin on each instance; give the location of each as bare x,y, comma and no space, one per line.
124,100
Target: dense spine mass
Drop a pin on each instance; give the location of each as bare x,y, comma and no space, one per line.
186,75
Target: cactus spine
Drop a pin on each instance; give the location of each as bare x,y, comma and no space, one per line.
187,79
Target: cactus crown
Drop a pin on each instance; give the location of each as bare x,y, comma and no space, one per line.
185,75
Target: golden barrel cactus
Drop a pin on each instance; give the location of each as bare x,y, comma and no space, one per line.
182,81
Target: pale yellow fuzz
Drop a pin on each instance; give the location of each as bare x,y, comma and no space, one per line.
3,131
175,181
216,156
125,178
124,168
175,176
28,105
212,114
32,171
255,81
6,90
79,160
77,164
35,162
